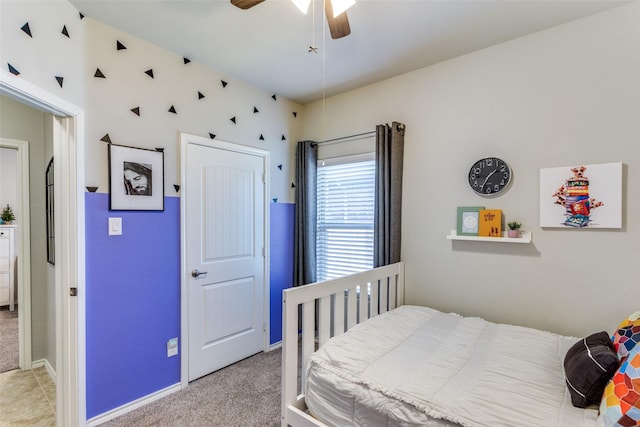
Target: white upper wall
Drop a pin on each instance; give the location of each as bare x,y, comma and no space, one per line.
565,96
107,102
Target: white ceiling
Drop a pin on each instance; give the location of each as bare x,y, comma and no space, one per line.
268,45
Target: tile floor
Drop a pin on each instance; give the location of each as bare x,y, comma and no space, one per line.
28,398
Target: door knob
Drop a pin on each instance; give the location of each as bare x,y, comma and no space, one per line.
197,273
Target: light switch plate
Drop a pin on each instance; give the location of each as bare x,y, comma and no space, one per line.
115,226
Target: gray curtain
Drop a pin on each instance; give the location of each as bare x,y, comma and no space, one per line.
304,269
388,203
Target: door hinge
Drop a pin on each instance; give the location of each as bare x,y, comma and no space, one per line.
73,292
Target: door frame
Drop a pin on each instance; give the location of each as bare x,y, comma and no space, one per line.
23,239
68,152
184,140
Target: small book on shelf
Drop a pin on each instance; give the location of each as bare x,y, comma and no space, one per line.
490,223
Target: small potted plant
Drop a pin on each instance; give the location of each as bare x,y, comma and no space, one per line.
514,229
7,215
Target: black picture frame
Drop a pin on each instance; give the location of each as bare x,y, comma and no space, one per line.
136,179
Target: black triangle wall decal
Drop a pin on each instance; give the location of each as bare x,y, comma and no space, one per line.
284,138
136,111
13,70
186,60
81,15
224,84
261,138
149,72
173,110
65,32
99,74
26,29
233,119
295,114
255,110
119,45
293,185
92,189
177,187
200,95
275,98
212,135
275,200
60,80
106,138
280,167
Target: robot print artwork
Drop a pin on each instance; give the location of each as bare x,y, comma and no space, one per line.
581,196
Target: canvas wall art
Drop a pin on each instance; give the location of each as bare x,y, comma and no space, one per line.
581,196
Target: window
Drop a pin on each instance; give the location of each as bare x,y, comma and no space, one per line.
346,194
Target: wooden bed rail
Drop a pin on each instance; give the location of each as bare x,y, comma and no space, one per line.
314,313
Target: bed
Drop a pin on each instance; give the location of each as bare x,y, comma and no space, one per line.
354,354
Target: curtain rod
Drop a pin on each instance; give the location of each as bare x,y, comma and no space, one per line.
373,132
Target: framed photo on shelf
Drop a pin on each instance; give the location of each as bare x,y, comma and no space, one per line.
468,220
136,179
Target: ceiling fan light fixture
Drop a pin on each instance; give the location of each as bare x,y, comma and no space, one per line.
340,6
303,5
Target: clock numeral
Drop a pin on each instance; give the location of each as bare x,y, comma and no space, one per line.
489,162
475,183
477,171
488,190
503,168
506,175
502,182
496,187
473,176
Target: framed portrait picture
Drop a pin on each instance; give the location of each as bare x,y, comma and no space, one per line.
136,179
468,220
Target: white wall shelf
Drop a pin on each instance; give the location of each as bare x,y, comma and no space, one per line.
525,237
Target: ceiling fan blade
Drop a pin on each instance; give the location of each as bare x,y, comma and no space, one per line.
245,4
338,26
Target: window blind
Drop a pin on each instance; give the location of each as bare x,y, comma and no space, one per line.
345,200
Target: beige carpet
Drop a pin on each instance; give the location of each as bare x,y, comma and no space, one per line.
8,339
244,394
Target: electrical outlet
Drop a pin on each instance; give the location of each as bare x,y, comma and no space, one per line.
172,347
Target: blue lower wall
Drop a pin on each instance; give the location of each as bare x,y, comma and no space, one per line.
133,298
281,265
132,302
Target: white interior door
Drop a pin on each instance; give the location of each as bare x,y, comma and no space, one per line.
225,258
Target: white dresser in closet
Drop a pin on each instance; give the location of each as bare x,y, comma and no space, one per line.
7,265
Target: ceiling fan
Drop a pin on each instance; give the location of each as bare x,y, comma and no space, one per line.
338,22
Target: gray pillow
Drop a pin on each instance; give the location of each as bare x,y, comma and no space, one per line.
589,365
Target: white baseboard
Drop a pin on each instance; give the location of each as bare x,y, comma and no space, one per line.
275,346
47,366
109,415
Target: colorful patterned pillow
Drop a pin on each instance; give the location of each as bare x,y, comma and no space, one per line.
620,405
627,335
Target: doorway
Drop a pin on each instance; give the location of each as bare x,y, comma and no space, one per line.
68,128
23,253
224,213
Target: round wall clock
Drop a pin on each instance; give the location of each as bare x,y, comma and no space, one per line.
489,176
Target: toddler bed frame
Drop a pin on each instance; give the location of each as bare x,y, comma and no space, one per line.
316,312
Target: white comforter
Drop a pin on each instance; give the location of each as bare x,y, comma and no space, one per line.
418,366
